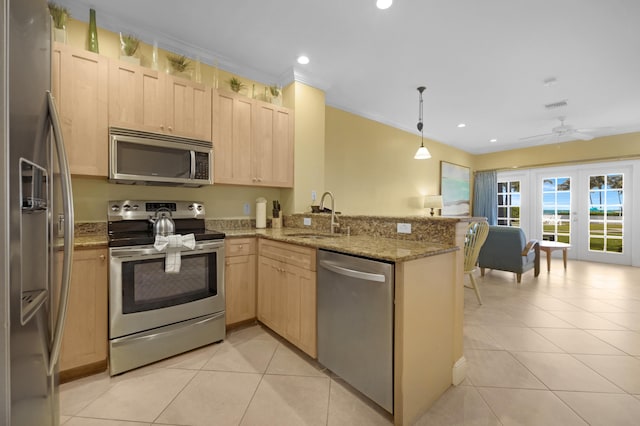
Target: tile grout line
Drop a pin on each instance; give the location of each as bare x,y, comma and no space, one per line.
264,373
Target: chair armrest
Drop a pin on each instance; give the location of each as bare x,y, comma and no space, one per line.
531,245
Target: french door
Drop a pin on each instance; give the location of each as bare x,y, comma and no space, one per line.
586,207
605,232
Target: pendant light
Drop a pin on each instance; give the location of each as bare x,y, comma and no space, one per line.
422,153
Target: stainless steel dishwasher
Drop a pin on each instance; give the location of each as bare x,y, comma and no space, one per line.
355,323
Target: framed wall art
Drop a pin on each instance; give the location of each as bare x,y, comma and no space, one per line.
455,189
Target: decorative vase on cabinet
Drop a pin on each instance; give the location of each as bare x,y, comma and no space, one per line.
93,32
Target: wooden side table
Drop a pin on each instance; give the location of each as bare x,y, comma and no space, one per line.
550,246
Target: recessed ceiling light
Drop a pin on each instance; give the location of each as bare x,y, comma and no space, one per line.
303,60
493,140
384,4
461,125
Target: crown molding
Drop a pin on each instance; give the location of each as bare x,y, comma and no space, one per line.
79,10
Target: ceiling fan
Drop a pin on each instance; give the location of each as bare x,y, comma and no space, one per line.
562,131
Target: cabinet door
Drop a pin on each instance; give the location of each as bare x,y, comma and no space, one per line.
136,97
188,111
271,294
240,288
82,101
301,308
85,335
273,145
308,314
233,128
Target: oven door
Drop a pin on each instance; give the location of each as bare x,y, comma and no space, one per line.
143,297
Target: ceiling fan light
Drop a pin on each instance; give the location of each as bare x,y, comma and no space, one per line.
422,153
384,4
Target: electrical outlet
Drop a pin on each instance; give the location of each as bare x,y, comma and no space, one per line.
404,228
247,209
307,221
314,195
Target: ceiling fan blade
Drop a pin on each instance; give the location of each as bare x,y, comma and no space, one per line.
536,137
582,136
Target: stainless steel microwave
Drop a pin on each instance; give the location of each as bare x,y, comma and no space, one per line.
156,159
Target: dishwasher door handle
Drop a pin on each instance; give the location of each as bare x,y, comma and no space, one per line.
352,273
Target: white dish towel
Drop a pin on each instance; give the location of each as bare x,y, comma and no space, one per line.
173,245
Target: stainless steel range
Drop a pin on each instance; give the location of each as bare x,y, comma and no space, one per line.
156,312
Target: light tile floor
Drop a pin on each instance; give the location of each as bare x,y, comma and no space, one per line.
560,349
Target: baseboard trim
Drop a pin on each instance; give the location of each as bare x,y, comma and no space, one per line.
83,371
459,372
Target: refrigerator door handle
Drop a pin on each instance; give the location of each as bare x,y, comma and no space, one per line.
67,199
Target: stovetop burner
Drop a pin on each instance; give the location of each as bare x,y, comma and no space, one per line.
130,225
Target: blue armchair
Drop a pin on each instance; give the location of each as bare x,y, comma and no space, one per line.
507,249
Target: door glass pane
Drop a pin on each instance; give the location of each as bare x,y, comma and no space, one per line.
509,203
606,200
556,209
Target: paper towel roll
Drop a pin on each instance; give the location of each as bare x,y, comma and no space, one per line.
261,213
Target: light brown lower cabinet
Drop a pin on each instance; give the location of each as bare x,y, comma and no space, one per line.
240,280
84,343
287,292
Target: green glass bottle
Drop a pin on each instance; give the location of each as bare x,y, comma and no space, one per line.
93,32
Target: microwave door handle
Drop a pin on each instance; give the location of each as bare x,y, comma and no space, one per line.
67,197
192,173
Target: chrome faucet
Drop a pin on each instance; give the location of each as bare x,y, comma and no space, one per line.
334,221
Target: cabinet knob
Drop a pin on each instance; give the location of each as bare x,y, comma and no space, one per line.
102,257
162,126
170,128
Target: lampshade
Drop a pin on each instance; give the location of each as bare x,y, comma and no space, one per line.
433,201
422,153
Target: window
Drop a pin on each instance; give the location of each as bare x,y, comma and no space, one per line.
605,212
509,203
556,209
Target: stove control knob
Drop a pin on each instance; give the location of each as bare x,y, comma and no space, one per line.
135,207
190,206
115,207
199,207
126,207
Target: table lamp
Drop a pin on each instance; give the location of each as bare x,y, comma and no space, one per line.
432,202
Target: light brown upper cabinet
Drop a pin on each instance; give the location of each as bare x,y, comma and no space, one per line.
253,141
80,89
144,99
273,145
136,97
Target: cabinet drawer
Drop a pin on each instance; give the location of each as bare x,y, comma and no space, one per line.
303,257
240,247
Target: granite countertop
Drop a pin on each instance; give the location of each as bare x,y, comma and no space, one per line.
86,241
390,249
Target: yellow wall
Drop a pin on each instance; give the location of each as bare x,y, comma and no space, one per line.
309,105
90,197
370,169
599,149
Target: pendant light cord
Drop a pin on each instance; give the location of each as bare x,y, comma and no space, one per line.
420,126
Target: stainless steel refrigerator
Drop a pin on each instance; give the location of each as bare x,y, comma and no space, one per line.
35,194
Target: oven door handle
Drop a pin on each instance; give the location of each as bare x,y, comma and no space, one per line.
150,252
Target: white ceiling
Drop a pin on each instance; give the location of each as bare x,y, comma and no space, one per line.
483,61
